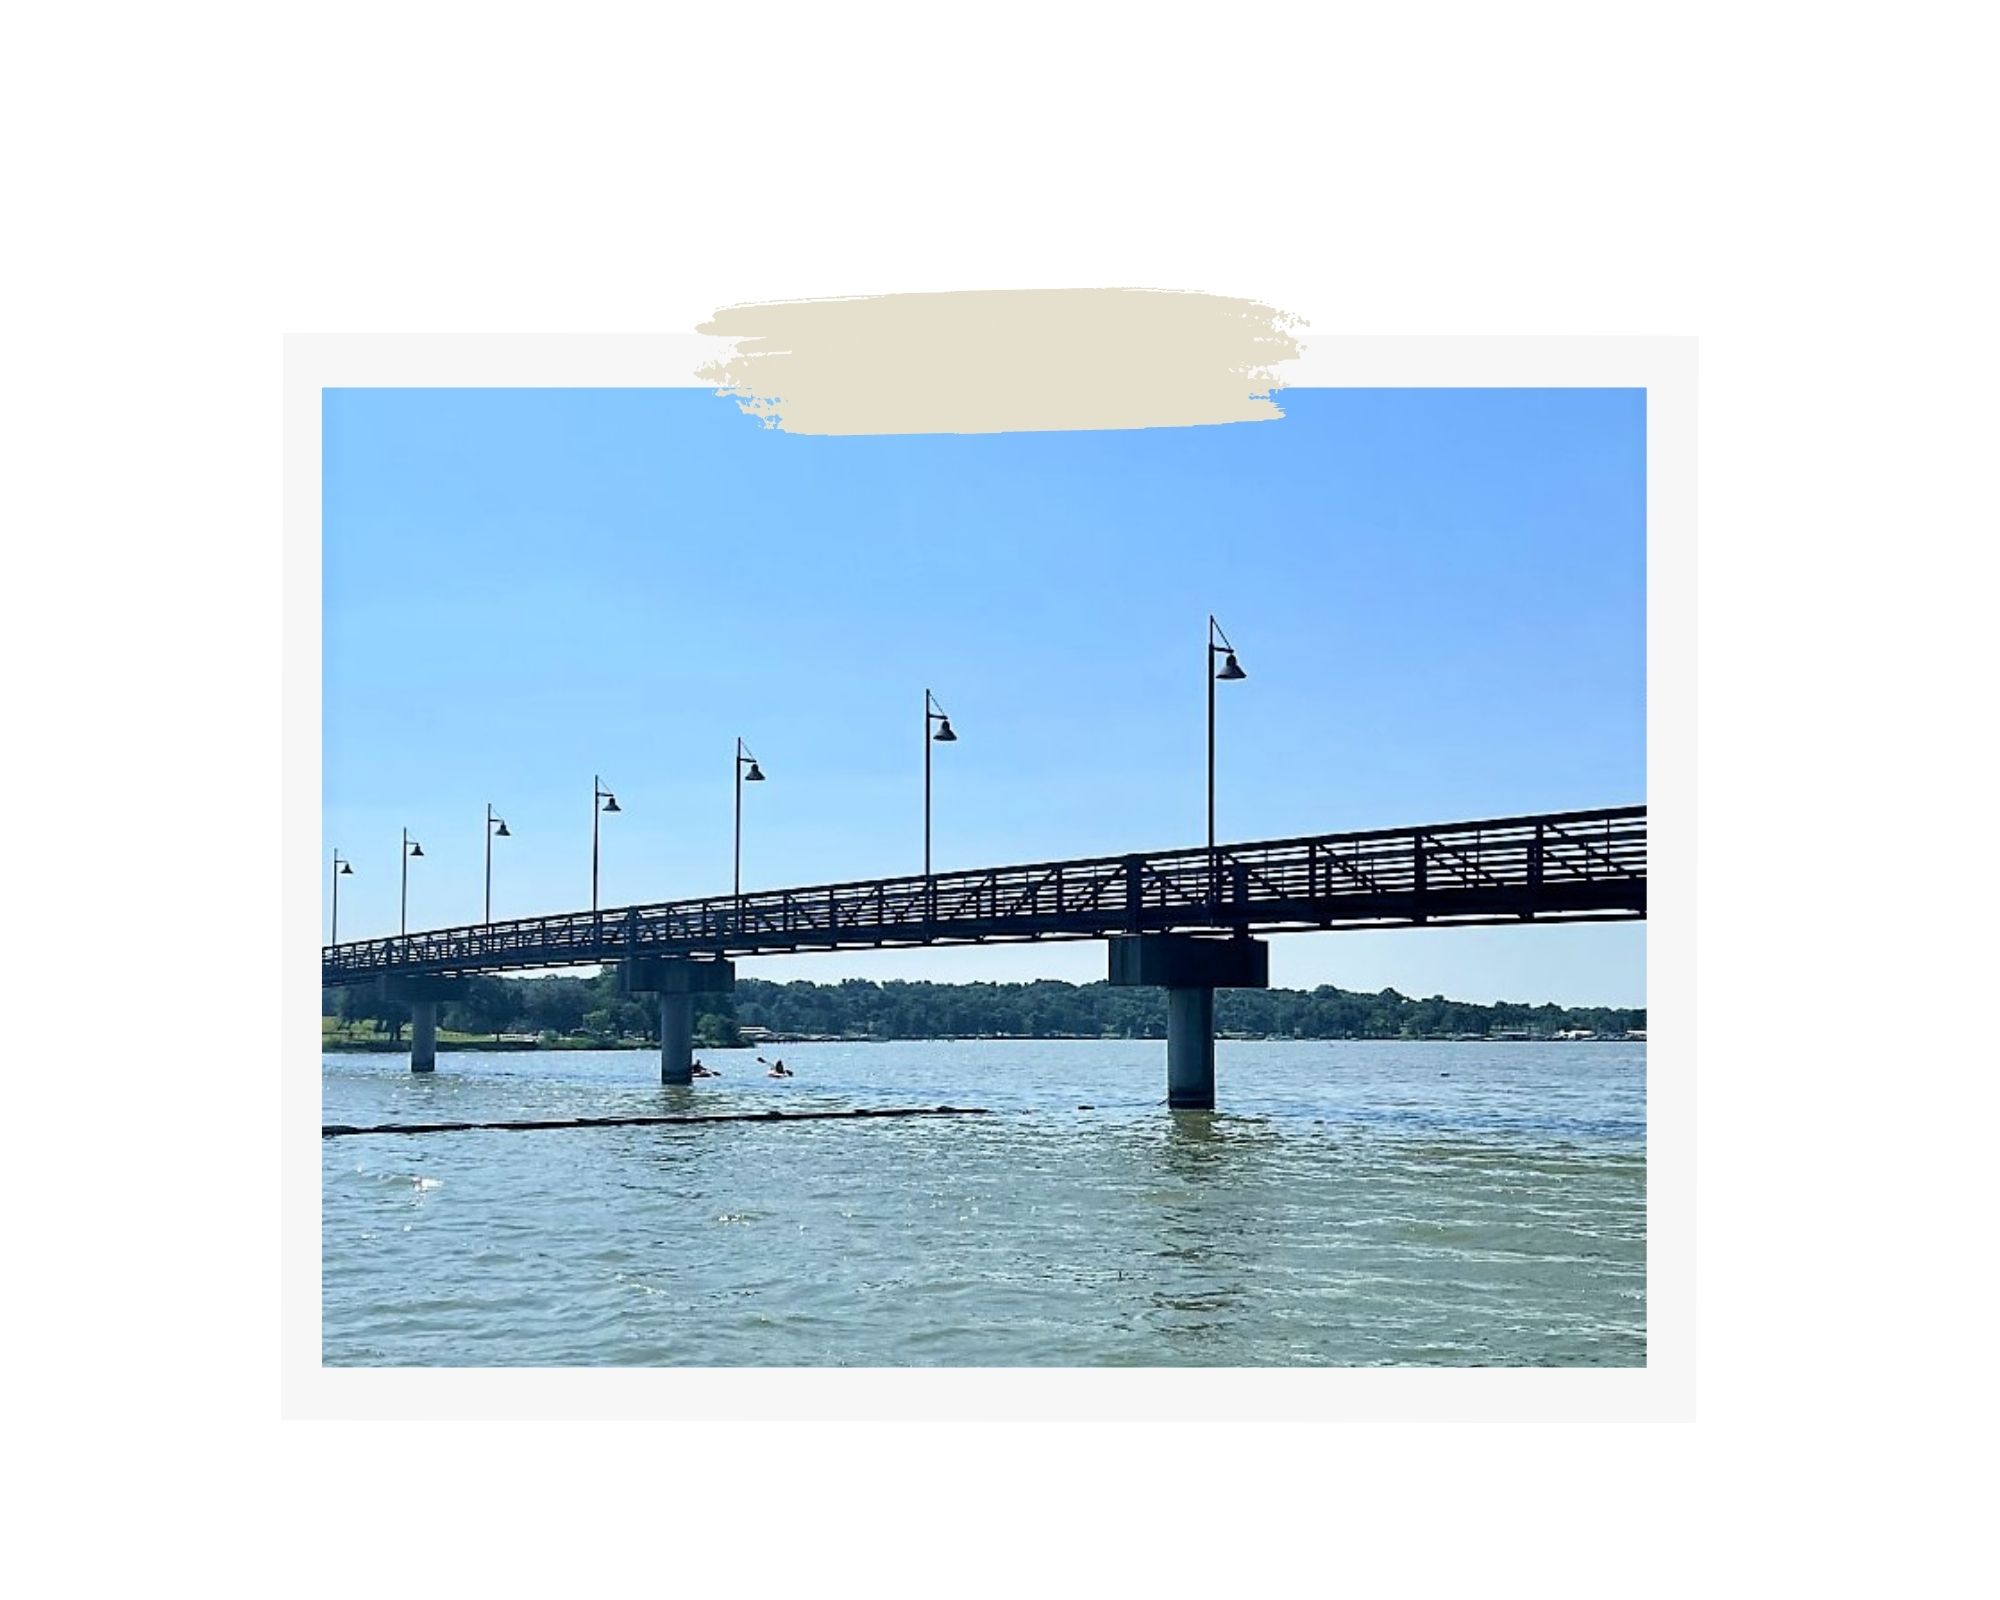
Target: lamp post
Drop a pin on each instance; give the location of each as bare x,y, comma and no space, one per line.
341,869
610,803
933,712
755,775
1228,672
411,852
492,832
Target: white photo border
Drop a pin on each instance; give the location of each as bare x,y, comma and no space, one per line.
1662,1390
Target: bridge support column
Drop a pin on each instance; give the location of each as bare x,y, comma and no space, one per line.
423,1035
677,1038
1191,1049
422,995
1190,968
676,982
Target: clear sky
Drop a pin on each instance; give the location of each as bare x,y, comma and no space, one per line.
1438,596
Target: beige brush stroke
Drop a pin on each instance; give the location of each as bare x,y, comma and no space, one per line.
1004,361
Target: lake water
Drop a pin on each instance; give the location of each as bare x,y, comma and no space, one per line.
1353,1204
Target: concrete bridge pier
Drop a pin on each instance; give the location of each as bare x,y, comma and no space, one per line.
676,982
1191,1049
423,1035
676,1038
1190,967
422,995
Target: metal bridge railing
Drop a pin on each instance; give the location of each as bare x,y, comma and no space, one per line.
1519,866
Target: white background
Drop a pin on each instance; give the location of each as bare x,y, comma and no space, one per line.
1798,186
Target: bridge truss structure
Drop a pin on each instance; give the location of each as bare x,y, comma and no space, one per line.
1567,866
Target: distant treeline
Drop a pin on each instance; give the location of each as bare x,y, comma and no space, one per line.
857,1008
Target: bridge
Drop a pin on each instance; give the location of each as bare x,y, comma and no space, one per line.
1187,920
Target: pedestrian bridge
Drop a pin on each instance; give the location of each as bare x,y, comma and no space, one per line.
1182,919
1566,866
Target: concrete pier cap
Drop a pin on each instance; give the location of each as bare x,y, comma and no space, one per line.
1190,961
675,975
676,981
1190,968
416,988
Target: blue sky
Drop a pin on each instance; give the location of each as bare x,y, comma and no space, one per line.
1438,595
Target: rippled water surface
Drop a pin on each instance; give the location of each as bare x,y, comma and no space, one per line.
1354,1204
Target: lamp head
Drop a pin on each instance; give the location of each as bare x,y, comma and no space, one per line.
501,831
1230,671
755,774
346,871
944,735
415,848
611,802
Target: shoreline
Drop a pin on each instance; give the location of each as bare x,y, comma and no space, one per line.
516,1046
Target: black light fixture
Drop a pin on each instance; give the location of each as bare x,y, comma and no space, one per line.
610,803
1230,671
496,828
341,869
411,851
933,713
753,774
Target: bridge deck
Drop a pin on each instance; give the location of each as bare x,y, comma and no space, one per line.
1571,866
